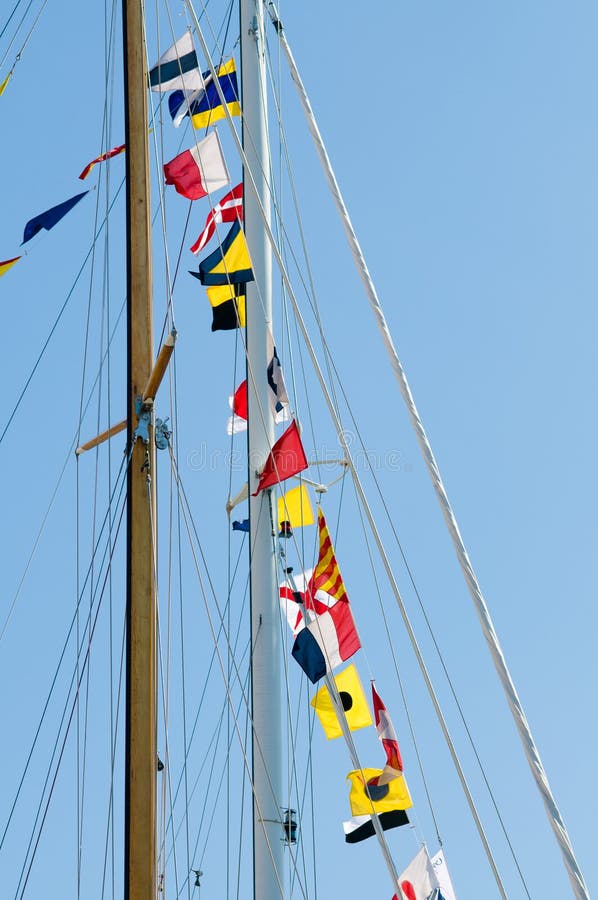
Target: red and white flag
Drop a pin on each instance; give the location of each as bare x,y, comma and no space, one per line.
386,733
279,400
418,881
199,171
287,458
226,210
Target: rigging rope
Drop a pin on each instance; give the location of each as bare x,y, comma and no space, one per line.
530,749
343,440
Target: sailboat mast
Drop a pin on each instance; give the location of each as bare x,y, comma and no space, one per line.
265,625
140,778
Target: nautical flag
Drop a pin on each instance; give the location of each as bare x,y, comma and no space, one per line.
367,795
241,526
50,217
103,156
352,697
386,733
199,171
177,68
287,458
278,397
359,828
326,641
4,83
295,507
8,264
418,881
330,637
327,578
447,891
226,210
292,600
230,262
228,306
238,404
206,108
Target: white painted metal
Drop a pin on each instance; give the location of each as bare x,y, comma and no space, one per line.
265,624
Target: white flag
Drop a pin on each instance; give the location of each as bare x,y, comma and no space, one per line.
177,68
418,881
444,879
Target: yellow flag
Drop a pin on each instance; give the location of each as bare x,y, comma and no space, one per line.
4,83
366,798
355,705
295,507
8,264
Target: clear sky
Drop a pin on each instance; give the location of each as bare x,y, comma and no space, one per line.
464,138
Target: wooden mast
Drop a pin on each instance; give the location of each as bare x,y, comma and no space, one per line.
141,751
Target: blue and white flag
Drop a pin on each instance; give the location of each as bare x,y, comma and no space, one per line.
177,69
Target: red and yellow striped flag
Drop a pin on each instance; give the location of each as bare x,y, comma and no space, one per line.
8,264
326,575
101,158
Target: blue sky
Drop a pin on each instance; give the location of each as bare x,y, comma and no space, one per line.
465,143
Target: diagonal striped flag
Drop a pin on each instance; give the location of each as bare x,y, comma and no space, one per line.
386,733
226,210
327,579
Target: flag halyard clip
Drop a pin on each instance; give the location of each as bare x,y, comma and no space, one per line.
144,410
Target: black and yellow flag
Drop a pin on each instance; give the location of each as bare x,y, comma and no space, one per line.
355,705
228,306
367,796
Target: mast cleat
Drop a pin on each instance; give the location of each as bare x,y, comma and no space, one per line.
144,409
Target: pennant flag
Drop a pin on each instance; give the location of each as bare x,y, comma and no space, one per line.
418,881
226,210
241,526
206,108
295,507
355,706
279,400
287,458
330,637
367,795
4,83
386,733
177,68
447,891
327,581
238,498
199,171
361,827
50,217
230,262
8,264
103,156
228,306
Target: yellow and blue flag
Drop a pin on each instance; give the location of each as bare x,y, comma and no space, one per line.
206,107
229,263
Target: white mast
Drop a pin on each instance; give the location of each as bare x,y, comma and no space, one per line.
265,626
